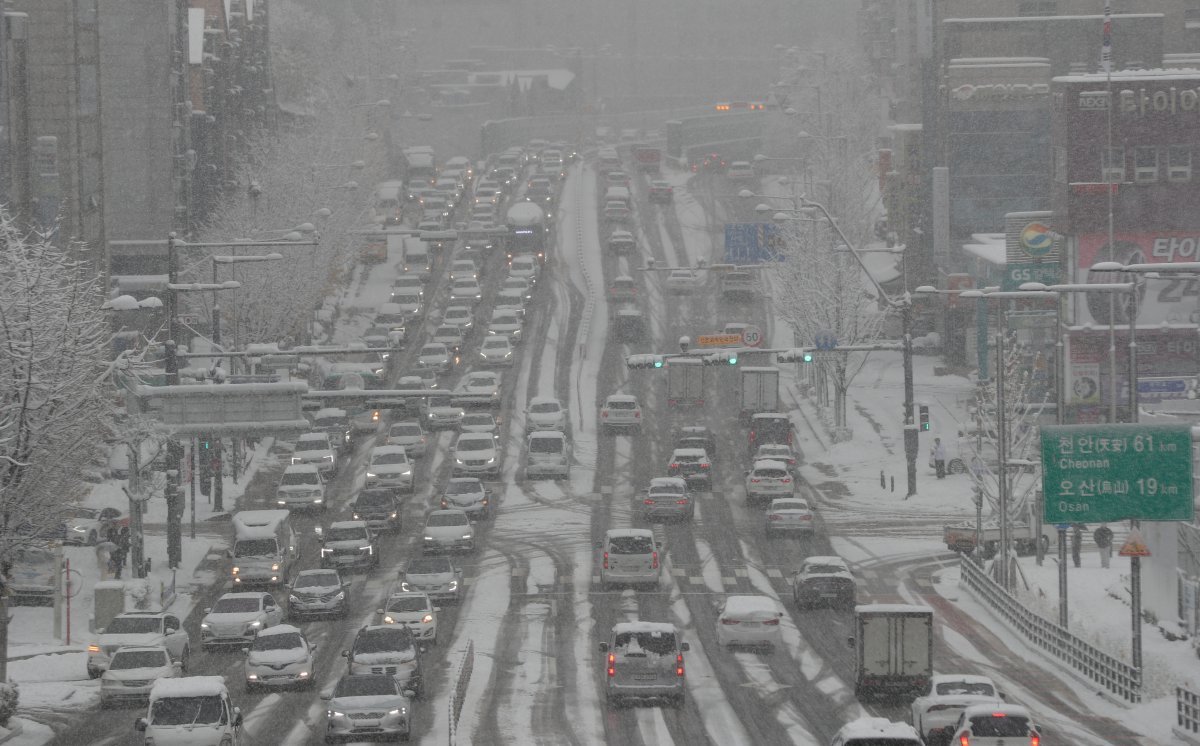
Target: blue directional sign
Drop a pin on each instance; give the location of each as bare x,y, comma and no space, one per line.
752,243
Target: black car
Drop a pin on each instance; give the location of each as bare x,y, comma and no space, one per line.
379,509
697,436
387,649
824,581
769,427
318,593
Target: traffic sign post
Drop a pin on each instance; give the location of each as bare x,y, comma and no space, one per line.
1101,473
752,336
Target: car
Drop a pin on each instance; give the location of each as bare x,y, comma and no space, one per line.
496,350
83,526
486,194
616,211
318,593
389,468
435,356
139,628
644,660
521,284
479,422
448,530
936,712
450,188
874,731
778,452
789,515
132,672
463,268
540,190
661,192
740,171
280,656
769,427
467,494
507,322
387,649
416,384
545,413
630,556
237,618
414,610
365,423
996,725
409,281
749,621
668,497
461,316
682,281
479,388
547,455
450,335
410,435
824,580
768,479
693,465
349,545
510,299
334,422
315,448
301,487
622,242
379,509
435,206
440,412
524,266
367,706
623,289
436,577
617,178
465,290
697,436
621,412
475,454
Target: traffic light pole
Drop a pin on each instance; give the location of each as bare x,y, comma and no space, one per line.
911,435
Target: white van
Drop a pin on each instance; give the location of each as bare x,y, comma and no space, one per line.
264,547
618,194
630,556
417,259
192,711
548,454
388,201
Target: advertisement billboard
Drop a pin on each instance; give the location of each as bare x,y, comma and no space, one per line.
1162,301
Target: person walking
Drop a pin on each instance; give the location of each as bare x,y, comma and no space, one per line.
1104,537
939,458
104,550
121,552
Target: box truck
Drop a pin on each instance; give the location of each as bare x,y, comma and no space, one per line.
893,650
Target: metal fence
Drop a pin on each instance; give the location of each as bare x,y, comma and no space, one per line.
1117,676
1187,709
462,679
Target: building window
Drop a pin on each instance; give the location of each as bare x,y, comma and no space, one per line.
1112,165
1145,164
1179,163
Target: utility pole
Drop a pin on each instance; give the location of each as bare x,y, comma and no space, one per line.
1002,450
911,435
136,539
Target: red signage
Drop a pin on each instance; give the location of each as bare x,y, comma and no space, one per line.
1094,188
958,282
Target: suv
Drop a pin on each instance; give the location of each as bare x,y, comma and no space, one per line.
300,487
693,465
379,510
183,710
367,707
280,656
767,480
139,628
386,649
545,413
697,436
314,448
476,454
448,530
132,672
410,435
622,242
468,495
390,469
437,577
547,455
237,618
440,412
414,610
630,556
876,731
644,660
824,580
316,592
349,544
621,411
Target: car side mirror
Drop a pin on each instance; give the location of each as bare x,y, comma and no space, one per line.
326,697
207,609
177,665
379,611
345,653
228,554
237,717
437,608
140,724
410,694
850,641
604,647
684,647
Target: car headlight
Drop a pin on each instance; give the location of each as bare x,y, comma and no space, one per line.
452,585
371,475
427,619
468,536
274,568
329,457
293,600
96,648
326,551
492,460
401,711
335,714
459,461
78,529
236,570
355,515
255,624
368,549
388,620
204,625
428,538
341,596
404,585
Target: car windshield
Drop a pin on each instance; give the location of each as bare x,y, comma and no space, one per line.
300,477
372,499
382,641
282,641
631,544
622,404
1003,726
463,488
407,603
254,548
448,519
235,605
963,687
822,569
312,444
548,407
126,659
479,419
132,625
770,474
447,331
317,580
545,445
430,566
656,643
327,422
406,429
686,458
504,319
346,533
406,298
433,350
365,686
187,710
474,444
389,458
440,401
669,488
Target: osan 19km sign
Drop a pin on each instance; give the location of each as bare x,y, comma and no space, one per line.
1099,473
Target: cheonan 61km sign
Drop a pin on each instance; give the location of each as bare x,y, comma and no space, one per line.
1098,473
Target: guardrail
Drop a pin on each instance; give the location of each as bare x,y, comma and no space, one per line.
1117,676
462,679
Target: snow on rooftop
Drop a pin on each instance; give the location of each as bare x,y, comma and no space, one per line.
748,605
614,533
189,686
989,247
877,728
279,629
1120,76
661,628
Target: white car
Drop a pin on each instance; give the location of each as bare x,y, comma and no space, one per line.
935,713
132,672
314,448
373,704
496,350
448,530
996,725
463,268
468,495
414,610
435,356
139,628
465,289
545,413
777,452
525,267
301,486
279,656
437,577
824,580
410,435
476,454
237,618
460,316
621,412
441,412
507,322
409,281
789,515
390,469
479,422
630,556
749,621
479,388
511,299
451,335
767,480
521,284
682,281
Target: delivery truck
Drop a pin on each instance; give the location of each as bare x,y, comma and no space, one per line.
893,651
759,390
647,158
685,382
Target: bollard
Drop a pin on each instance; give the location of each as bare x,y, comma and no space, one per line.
882,481
893,484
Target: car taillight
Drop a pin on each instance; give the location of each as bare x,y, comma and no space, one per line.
679,664
755,480
964,740
647,501
1035,740
731,621
612,664
682,501
606,560
772,623
604,414
654,560
774,517
785,481
703,466
806,517
637,415
674,464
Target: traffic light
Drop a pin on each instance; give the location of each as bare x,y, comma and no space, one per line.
724,357
924,416
634,362
798,355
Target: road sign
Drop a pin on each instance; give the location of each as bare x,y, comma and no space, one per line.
752,336
719,340
1099,473
1134,546
1016,274
825,341
748,243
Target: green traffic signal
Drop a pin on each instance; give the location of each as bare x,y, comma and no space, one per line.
732,359
808,357
658,362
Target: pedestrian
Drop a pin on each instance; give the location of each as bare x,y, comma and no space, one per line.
104,550
1104,537
118,560
939,458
